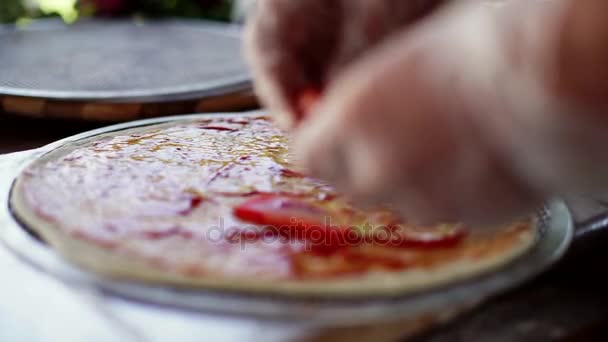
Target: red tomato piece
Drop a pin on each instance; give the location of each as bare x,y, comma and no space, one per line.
294,219
306,102
219,128
277,211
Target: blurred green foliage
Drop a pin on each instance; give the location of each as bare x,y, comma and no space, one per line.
15,10
11,10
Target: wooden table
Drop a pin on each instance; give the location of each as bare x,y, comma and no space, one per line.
569,303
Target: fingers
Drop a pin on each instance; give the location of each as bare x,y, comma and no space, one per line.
550,107
287,44
296,45
581,51
474,116
397,128
369,23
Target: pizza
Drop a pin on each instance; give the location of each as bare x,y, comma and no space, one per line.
217,202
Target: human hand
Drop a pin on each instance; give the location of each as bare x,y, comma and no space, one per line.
296,47
477,114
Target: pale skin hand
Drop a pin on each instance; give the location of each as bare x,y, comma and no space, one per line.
474,114
297,45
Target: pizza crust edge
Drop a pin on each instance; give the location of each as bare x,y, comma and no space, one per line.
108,263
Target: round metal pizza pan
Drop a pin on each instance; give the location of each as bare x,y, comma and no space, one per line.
121,61
554,222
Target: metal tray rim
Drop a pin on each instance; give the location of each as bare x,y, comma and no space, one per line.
224,86
191,92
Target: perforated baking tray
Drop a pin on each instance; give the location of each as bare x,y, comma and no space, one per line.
121,69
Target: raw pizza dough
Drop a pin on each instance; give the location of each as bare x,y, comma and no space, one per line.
156,204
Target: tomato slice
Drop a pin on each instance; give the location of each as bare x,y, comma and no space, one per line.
277,210
195,202
291,174
294,219
306,102
219,128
